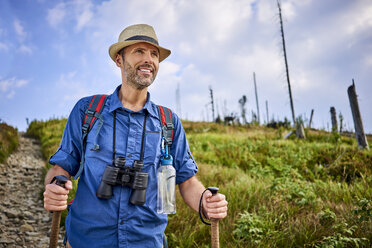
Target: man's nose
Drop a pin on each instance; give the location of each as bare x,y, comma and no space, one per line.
148,58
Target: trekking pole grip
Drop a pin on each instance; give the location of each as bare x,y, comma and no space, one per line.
214,224
56,219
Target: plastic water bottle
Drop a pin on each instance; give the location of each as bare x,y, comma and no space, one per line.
166,186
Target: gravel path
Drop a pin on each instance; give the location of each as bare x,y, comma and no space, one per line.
23,220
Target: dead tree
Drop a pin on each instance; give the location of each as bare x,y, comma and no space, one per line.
212,102
311,118
286,65
255,90
242,102
358,124
267,112
178,101
333,119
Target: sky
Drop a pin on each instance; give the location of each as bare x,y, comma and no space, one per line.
52,53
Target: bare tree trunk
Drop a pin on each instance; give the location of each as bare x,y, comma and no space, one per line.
311,118
255,90
267,112
286,65
300,132
358,124
334,119
212,103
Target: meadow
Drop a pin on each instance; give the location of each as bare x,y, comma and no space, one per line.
282,192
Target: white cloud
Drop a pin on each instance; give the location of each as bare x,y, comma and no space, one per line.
359,20
25,49
19,30
3,47
11,85
56,15
78,11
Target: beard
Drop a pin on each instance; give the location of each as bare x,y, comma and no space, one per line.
138,81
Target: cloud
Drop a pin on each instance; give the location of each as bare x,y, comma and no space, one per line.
25,49
19,30
9,86
56,15
78,12
3,47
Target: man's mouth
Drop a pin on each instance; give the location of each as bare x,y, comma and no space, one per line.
145,69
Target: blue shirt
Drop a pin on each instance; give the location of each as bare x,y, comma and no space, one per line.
115,222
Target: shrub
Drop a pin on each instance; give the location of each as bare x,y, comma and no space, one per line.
8,140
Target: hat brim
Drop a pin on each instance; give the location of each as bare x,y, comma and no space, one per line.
115,48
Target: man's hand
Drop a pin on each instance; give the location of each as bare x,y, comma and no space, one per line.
214,206
55,197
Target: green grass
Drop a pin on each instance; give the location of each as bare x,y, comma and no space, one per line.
8,140
282,193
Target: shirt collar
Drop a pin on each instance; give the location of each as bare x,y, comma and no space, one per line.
115,103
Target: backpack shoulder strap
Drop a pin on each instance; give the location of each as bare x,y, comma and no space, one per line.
92,114
165,115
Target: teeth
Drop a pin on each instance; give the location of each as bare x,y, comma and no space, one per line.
145,70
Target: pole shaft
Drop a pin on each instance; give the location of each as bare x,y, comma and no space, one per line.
215,234
55,229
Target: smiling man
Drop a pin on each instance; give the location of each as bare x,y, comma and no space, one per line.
129,132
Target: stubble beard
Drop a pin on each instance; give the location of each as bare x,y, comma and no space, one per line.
137,81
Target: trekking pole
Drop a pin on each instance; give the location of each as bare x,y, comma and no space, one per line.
214,224
60,181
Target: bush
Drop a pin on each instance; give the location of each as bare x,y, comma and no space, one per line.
8,141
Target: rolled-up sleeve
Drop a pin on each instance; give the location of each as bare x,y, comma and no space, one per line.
69,152
184,162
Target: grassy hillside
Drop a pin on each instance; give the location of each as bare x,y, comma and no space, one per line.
8,140
282,193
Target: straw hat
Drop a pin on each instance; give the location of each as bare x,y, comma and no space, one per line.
135,34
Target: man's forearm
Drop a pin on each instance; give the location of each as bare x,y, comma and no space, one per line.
191,191
54,171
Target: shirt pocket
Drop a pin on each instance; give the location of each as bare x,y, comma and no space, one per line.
151,153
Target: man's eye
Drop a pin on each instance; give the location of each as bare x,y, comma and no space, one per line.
155,54
139,51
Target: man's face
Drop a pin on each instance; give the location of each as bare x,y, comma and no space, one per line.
141,64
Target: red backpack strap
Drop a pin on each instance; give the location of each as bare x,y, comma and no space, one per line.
92,114
165,115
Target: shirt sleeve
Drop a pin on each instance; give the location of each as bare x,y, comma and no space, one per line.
69,152
184,162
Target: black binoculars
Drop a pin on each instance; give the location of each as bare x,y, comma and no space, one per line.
119,174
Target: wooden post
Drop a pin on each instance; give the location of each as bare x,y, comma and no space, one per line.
311,118
358,124
334,119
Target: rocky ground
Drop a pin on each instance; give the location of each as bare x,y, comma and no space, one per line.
23,220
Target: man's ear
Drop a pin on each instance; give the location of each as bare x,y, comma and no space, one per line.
118,60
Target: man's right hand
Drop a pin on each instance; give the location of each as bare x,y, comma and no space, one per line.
55,197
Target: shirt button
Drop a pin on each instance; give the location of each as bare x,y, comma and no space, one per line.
122,222
129,155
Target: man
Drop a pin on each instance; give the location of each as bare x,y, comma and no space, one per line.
115,222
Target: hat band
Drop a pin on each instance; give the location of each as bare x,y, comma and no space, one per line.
144,38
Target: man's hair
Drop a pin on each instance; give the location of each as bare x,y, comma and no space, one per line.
121,53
